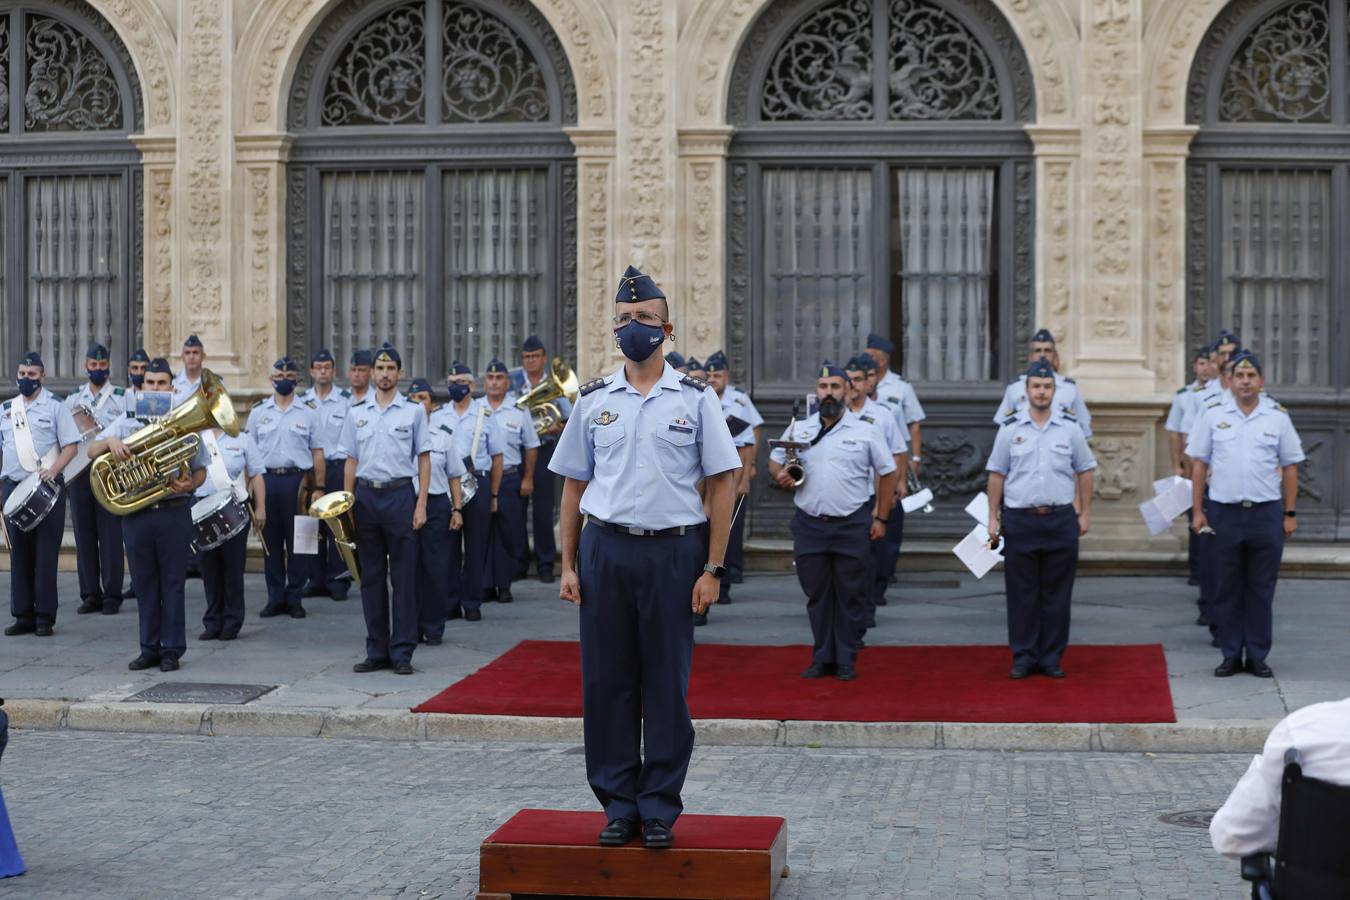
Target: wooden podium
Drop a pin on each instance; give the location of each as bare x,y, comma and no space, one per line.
555,853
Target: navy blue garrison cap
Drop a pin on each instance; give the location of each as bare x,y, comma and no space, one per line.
1043,337
140,356
1040,369
634,287
363,358
192,341
716,363
692,364
866,362
387,353
496,365
830,370
877,342
419,386
159,364
531,344
1246,359
324,355
1203,351
31,358
459,368
285,364
1227,337
675,359
97,352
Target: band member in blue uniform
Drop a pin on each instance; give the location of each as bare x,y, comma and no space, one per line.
541,505
358,376
897,395
677,362
1040,501
98,533
842,505
507,552
157,540
136,366
647,559
189,378
223,566
289,437
1067,396
480,446
1178,416
445,514
744,421
386,445
1249,451
37,434
696,368
329,575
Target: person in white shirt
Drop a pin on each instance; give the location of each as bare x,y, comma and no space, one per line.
1249,820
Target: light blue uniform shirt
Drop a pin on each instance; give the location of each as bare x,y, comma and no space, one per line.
736,403
332,412
445,460
893,437
108,404
515,427
1245,453
1039,464
239,454
50,424
1067,398
643,457
386,442
897,395
182,388
285,437
1182,408
841,468
489,442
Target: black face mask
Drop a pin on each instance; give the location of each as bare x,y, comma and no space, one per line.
831,408
137,380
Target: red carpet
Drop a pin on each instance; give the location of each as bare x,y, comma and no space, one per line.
578,829
1106,683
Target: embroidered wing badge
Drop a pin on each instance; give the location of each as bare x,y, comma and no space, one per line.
606,418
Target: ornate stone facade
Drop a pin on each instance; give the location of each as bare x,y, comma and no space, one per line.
651,181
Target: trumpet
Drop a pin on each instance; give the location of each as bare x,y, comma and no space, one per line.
541,400
335,511
790,447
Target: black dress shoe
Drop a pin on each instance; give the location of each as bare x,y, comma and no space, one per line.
403,668
815,670
1259,668
546,576
89,606
371,665
144,661
724,600
871,622
456,613
656,835
42,629
1202,621
20,628
1019,671
618,832
473,615
270,611
1227,669
209,636
700,619
338,596
110,608
489,595
1052,671
504,596
434,641
229,635
298,612
168,664
314,590
845,673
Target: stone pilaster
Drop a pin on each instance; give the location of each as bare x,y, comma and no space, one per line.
158,156
1165,152
597,268
699,309
1058,244
259,323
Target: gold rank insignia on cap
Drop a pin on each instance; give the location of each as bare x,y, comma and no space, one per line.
606,418
1245,363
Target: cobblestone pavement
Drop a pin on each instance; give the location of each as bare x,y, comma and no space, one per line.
110,815
310,660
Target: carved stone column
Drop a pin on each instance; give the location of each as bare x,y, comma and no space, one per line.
1059,246
597,268
203,298
700,309
260,315
1165,152
158,156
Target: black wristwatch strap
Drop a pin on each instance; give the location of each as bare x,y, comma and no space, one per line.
1291,514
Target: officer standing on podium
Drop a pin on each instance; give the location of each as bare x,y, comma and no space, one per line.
647,559
1249,451
1040,499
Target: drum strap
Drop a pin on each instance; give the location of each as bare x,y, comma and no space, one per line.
216,472
23,440
477,434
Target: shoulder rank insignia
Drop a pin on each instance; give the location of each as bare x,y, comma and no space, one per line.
344,393
742,401
447,429
1011,419
1198,388
1281,407
1181,390
1066,413
693,382
590,386
1069,381
6,404
868,419
606,418
117,391
1214,404
311,404
891,399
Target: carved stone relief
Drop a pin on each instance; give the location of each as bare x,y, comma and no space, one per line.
258,350
1119,459
206,152
646,143
159,337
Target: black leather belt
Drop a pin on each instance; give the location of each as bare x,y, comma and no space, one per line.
384,485
643,532
1039,510
510,470
287,470
1247,504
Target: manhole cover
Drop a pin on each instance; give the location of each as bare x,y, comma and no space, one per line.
201,692
1191,818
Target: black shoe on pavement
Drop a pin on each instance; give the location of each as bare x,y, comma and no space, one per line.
1227,669
815,670
209,636
881,601
700,619
370,665
656,835
489,595
473,615
144,661
43,629
434,641
168,664
403,668
298,612
314,590
194,572
1202,621
1052,671
1259,668
229,635
110,608
724,600
338,595
845,673
20,628
545,576
270,611
1019,671
456,613
504,596
89,606
618,832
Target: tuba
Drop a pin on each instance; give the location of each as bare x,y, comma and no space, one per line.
540,400
335,511
162,451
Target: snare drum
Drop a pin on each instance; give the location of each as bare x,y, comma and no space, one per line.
217,519
31,502
89,430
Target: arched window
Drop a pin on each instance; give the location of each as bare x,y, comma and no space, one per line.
432,197
1269,207
880,180
70,188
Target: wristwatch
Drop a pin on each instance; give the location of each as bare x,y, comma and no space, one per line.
457,509
715,571
1291,514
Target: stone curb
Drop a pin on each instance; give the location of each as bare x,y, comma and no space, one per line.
1193,736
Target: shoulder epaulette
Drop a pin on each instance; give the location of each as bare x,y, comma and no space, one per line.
1181,390
742,401
1199,387
694,382
447,429
117,391
1281,407
1214,404
487,413
6,404
1066,414
344,393
311,404
72,395
1011,419
1068,380
868,419
131,413
590,386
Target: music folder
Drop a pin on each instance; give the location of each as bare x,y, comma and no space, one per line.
737,425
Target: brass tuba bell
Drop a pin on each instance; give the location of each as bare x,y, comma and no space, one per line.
162,451
335,510
541,400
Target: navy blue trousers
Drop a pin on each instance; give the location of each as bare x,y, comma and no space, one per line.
32,562
284,570
834,563
1204,563
1040,561
157,549
469,550
223,581
387,546
505,554
327,570
433,575
98,545
637,645
1248,545
542,506
886,553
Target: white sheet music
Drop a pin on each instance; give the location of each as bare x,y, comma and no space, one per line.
917,501
974,552
1173,499
306,535
978,509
